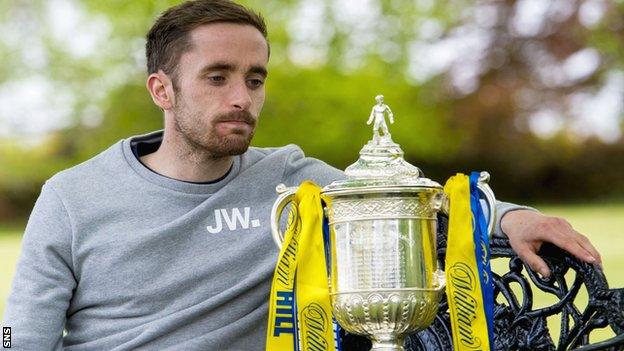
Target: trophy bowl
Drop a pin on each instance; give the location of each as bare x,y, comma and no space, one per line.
385,280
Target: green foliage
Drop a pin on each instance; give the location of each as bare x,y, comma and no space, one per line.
323,104
324,109
129,111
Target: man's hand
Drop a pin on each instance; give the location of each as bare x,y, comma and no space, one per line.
527,230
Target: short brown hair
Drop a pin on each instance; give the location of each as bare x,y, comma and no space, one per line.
168,38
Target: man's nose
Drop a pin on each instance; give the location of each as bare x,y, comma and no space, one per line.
240,97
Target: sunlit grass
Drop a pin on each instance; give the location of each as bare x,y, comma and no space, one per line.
603,224
9,250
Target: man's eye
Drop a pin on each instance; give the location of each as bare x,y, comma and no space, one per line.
255,83
217,79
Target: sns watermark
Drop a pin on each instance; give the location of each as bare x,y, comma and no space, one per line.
6,337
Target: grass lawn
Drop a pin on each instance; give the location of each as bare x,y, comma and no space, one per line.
9,250
603,224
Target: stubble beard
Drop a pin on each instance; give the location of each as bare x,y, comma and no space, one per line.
202,137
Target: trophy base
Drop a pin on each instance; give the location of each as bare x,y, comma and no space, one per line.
390,344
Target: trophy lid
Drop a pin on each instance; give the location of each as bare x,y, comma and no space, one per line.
381,163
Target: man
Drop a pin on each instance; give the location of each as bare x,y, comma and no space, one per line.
163,241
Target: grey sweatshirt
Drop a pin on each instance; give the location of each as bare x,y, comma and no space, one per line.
123,258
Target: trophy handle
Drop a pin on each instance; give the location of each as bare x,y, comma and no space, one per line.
490,199
482,184
286,196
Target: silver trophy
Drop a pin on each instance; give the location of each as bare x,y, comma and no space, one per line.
385,280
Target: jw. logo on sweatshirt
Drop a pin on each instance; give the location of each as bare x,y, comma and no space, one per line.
233,219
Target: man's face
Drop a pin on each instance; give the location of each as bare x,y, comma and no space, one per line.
219,88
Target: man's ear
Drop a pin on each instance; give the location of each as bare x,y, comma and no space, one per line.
160,88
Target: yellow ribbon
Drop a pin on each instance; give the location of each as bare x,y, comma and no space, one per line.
463,288
299,308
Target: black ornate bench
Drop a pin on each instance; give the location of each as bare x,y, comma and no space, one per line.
519,325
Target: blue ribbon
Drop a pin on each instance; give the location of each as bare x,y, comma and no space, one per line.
328,260
482,252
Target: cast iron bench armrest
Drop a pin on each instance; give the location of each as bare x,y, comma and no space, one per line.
518,324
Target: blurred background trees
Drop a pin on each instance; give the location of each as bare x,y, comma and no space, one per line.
530,90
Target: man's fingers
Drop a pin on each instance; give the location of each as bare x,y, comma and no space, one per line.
535,262
587,245
564,236
571,242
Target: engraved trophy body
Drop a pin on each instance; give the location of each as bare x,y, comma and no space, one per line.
385,279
